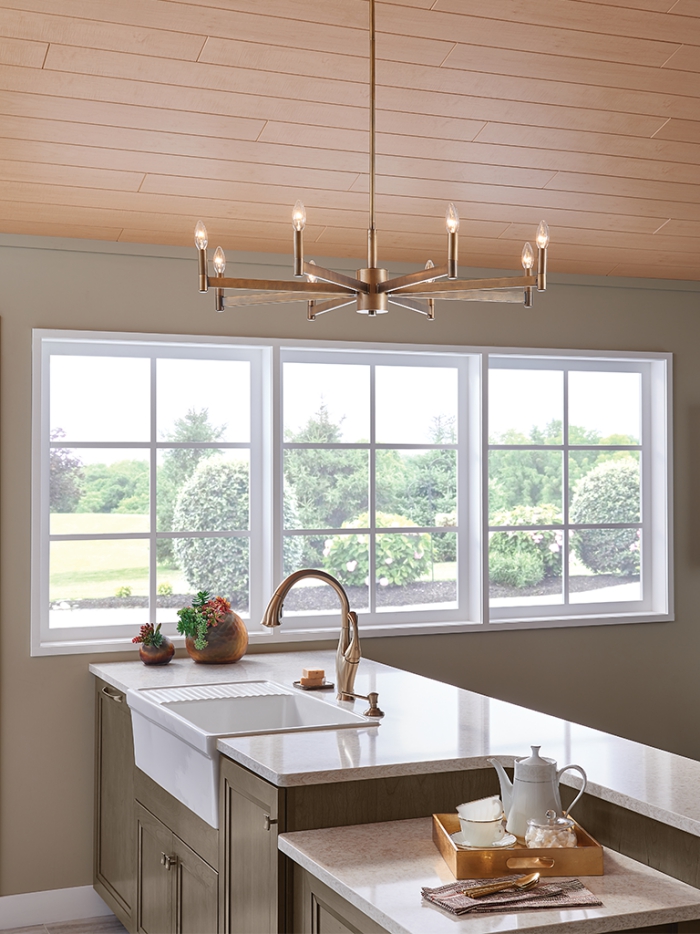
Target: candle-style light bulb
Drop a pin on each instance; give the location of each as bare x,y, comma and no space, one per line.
299,216
527,257
430,265
451,218
219,261
309,276
542,236
200,235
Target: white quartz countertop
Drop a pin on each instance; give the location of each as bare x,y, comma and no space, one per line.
431,727
381,868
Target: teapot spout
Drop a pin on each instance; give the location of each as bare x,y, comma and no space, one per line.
506,785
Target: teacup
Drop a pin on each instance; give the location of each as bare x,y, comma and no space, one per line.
482,832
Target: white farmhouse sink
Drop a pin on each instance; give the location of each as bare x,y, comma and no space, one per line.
176,730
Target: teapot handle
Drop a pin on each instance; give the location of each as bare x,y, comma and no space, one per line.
583,787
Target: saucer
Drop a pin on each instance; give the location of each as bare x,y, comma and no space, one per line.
506,841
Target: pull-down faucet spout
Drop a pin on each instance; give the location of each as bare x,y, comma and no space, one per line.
349,654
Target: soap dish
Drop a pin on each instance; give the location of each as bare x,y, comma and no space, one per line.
323,686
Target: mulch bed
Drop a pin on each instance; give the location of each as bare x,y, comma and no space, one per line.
325,598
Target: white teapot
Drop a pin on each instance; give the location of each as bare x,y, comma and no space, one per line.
533,791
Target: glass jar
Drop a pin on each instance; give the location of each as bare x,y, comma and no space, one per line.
552,832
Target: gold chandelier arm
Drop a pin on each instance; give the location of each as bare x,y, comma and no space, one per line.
320,308
276,298
412,305
513,296
327,275
277,285
413,278
463,285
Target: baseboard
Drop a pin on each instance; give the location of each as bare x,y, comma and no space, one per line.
55,905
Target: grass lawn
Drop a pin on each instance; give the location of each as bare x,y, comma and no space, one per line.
96,569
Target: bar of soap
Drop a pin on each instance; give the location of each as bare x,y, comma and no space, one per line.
312,674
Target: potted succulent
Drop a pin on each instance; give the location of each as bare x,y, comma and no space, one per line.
154,647
214,634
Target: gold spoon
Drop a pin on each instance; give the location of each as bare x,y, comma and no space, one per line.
522,883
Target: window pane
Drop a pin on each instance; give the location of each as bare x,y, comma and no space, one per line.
604,488
100,398
416,570
213,498
98,583
217,484
525,568
344,556
604,565
219,565
526,406
203,400
97,491
325,487
525,487
326,402
418,485
416,404
605,408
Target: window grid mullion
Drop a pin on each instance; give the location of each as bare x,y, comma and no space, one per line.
153,504
372,543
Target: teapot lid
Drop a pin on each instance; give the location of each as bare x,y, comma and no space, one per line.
535,768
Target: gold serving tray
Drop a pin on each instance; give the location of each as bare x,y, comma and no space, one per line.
585,859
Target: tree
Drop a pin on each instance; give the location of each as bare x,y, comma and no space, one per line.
120,487
65,476
330,484
179,464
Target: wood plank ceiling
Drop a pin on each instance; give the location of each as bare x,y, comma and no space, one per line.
126,120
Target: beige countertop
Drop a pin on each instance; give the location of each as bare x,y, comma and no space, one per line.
380,869
432,727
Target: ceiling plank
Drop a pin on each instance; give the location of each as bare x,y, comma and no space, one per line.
22,52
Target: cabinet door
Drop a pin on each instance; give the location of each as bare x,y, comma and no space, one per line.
197,892
157,868
250,823
115,842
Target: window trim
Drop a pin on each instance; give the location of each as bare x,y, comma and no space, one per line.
472,419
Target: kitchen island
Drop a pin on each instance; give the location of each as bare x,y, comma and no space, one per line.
429,753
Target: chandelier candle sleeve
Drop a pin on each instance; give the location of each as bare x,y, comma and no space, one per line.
201,241
527,258
452,224
542,244
298,223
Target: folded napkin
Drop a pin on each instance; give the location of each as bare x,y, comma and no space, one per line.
571,893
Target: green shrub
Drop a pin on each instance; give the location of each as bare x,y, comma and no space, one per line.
214,499
521,569
165,589
521,559
124,591
401,558
609,493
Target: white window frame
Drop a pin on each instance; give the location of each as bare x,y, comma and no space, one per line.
656,603
266,494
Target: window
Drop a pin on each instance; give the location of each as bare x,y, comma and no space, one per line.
572,485
444,487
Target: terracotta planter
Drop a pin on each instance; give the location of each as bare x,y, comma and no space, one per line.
157,655
226,642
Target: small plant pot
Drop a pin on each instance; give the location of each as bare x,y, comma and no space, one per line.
157,654
226,642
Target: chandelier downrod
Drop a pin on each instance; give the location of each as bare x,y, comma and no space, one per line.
372,230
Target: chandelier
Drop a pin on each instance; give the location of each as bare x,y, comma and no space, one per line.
371,290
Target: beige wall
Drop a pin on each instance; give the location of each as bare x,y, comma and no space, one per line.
640,681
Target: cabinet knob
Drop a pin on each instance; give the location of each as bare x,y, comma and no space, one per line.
168,861
269,821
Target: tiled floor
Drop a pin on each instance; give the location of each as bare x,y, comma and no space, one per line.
102,925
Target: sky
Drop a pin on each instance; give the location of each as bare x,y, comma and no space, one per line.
107,399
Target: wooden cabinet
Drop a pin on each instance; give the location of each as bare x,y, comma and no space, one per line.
155,861
177,891
115,832
252,890
320,910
